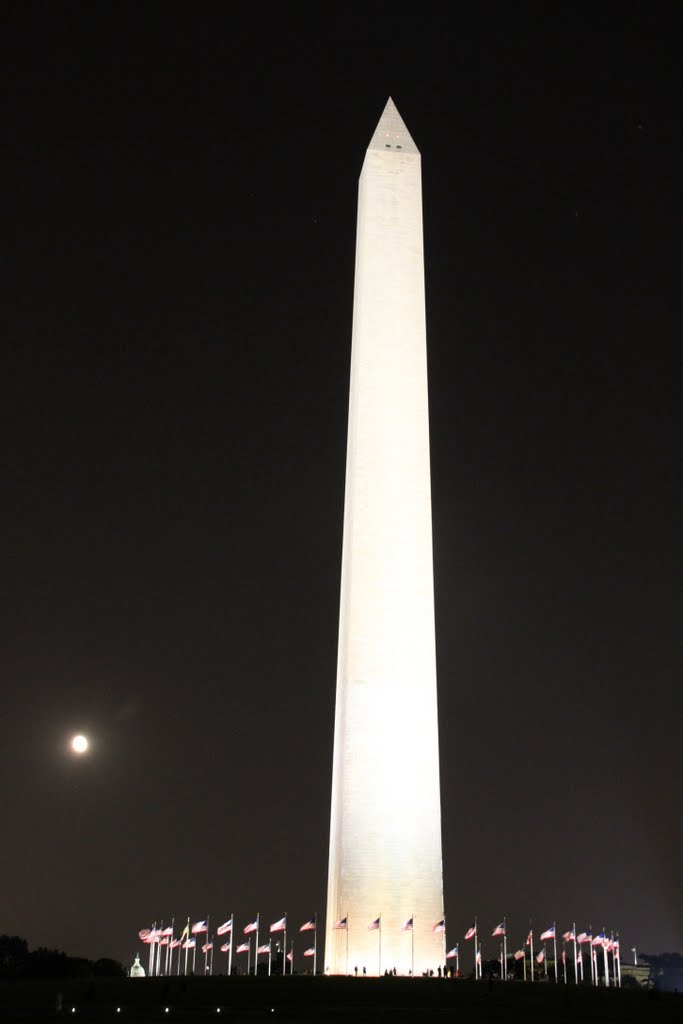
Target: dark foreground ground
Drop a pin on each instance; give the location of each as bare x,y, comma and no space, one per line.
330,1001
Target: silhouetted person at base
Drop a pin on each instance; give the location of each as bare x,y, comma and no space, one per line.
355,971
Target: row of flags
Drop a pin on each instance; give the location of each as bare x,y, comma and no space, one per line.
162,936
600,941
407,926
165,938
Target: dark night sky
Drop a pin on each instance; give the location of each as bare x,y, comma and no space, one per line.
179,208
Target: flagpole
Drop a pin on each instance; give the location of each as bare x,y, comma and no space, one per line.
315,944
531,961
505,948
564,960
206,954
249,958
618,961
555,951
576,966
258,918
445,947
232,942
379,955
412,945
187,939
284,949
151,950
524,965
476,939
270,954
347,942
604,958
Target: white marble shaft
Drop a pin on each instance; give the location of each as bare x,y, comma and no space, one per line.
385,838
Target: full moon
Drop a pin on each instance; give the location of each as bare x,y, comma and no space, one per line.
79,744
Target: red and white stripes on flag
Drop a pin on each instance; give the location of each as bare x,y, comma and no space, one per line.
440,926
377,923
252,927
244,947
407,926
198,926
225,948
309,952
519,954
308,926
223,928
279,926
342,923
471,932
265,948
499,929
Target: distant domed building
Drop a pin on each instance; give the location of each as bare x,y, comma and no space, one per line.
137,970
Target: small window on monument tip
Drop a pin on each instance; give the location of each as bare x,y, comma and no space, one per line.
387,145
399,146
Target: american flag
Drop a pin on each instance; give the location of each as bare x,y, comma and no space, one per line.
309,952
584,937
265,948
253,927
520,954
471,932
189,944
549,933
145,934
452,952
175,943
342,923
540,957
529,938
279,926
375,924
599,939
440,926
207,947
290,956
222,929
225,948
407,926
569,936
164,941
198,926
168,931
309,926
244,947
479,956
499,929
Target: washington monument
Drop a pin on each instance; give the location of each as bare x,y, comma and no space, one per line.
385,888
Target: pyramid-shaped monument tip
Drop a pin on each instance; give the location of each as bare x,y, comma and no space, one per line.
391,134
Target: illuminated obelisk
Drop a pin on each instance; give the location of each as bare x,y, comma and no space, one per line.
385,836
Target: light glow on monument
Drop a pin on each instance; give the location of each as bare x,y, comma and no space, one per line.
385,835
